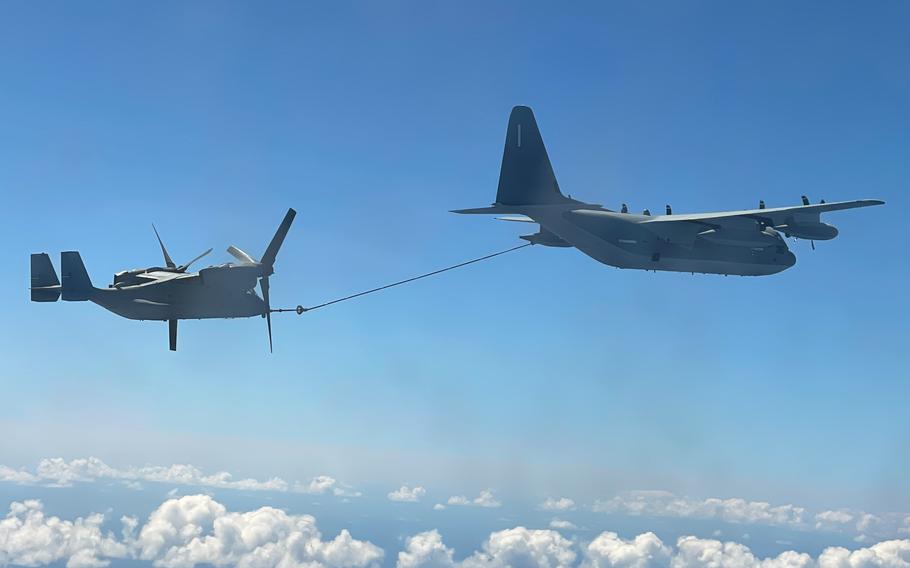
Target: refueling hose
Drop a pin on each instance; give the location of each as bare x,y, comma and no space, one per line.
301,309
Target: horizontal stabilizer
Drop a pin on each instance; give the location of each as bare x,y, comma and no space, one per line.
492,210
518,219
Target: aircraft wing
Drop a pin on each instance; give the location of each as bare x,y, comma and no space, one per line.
771,216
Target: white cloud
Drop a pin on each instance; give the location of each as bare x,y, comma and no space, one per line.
523,547
832,520
484,499
196,529
61,473
557,523
520,547
868,523
695,552
644,551
516,547
561,504
29,537
425,550
323,484
438,507
665,504
180,533
887,554
906,527
405,494
17,475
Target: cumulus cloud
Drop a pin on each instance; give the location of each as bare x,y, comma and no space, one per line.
887,554
181,533
28,537
405,494
521,547
503,549
484,499
666,504
62,473
695,552
323,484
425,550
557,523
561,504
644,551
196,529
832,520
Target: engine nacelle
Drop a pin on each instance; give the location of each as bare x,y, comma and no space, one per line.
809,231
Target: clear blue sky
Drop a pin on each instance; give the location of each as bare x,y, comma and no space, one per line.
538,373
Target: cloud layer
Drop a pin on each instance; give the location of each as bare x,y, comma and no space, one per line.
197,530
181,533
61,473
522,547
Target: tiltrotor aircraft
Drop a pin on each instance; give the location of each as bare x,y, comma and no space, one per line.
169,293
746,243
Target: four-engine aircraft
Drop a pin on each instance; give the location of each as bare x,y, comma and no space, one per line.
169,293
747,243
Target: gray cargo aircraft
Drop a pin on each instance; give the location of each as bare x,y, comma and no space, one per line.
169,293
746,243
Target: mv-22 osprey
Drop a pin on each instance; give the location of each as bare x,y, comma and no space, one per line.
169,293
746,243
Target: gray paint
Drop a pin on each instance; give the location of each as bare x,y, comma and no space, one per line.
747,243
169,293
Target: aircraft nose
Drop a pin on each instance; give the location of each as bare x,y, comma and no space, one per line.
789,259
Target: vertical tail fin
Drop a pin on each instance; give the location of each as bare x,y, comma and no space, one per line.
77,286
526,176
45,285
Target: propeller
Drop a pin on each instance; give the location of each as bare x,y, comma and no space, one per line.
264,284
168,261
266,264
240,255
183,267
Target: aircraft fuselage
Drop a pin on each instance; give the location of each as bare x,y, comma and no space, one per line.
625,241
225,291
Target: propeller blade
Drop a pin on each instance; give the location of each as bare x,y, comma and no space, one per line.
264,284
167,258
240,255
268,257
183,267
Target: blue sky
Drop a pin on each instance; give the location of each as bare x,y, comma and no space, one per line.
542,373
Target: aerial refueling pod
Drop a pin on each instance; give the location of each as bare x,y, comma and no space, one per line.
809,231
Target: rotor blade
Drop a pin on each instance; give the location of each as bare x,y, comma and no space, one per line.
268,257
167,258
240,255
183,267
264,284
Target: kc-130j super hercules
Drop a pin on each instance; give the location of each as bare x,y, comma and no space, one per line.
169,293
746,243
